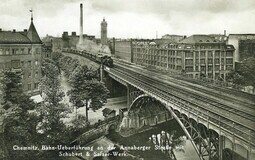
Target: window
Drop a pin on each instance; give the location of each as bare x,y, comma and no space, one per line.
1,51
210,54
22,63
15,64
22,51
229,61
29,86
29,63
29,74
36,62
202,54
36,85
36,73
202,61
7,51
229,54
189,62
217,61
14,51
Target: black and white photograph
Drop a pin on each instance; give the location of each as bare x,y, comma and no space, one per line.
127,80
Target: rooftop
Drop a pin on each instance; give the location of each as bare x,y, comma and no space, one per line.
27,37
199,39
108,111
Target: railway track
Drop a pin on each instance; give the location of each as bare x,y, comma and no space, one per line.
247,110
241,129
215,90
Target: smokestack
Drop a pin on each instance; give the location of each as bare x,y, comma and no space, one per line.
225,33
81,24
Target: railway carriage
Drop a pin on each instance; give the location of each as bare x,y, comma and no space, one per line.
101,58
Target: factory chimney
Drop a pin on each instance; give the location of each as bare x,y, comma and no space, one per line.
81,24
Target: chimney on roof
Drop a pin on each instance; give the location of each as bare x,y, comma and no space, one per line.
0,29
25,30
65,35
73,33
14,30
225,32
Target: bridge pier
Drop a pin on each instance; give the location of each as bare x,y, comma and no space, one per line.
102,73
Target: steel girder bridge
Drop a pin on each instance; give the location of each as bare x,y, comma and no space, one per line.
216,130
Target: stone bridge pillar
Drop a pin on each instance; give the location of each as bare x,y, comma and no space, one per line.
101,72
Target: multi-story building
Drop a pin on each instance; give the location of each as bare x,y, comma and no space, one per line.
197,55
21,52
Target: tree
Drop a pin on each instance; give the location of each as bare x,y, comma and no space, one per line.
86,88
12,91
19,124
52,110
247,70
245,74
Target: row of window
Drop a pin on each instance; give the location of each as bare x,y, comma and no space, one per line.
187,54
177,46
18,64
32,87
187,68
29,74
17,51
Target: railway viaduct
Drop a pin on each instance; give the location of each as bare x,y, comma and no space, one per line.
220,122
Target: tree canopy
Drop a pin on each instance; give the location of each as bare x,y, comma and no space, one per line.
86,88
245,74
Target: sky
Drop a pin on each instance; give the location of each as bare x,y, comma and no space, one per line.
131,18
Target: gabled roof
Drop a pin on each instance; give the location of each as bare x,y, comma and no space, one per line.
33,35
8,37
108,111
29,37
199,39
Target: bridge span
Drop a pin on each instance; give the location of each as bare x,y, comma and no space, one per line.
228,116
218,121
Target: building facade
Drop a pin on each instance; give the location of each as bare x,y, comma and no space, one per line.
122,49
234,39
196,56
21,52
104,32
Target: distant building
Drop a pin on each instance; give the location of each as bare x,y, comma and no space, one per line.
220,37
65,41
104,32
21,52
108,113
175,38
122,48
196,56
234,39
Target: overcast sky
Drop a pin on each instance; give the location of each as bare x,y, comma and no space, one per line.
131,18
